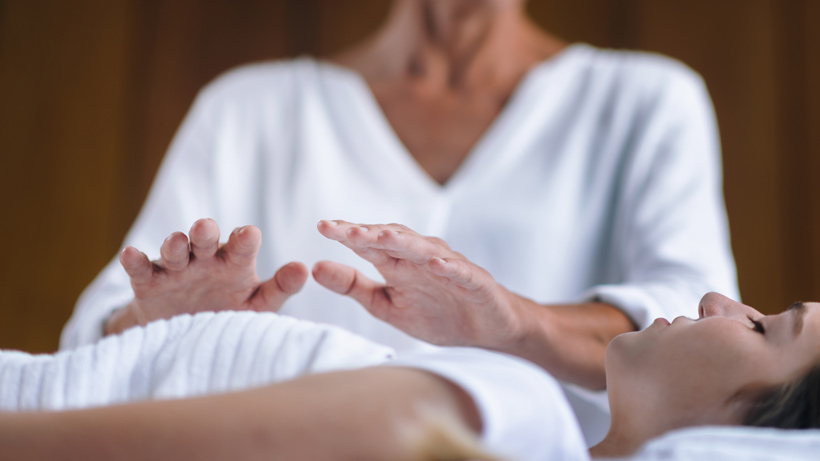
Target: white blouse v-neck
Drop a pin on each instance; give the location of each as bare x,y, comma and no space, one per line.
601,179
353,94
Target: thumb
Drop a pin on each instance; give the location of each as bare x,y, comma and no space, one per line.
273,293
346,280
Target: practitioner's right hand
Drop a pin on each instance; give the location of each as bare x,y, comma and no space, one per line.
202,275
430,291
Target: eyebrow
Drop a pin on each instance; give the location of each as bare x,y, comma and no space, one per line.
799,312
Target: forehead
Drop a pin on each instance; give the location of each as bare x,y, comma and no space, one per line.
805,326
807,316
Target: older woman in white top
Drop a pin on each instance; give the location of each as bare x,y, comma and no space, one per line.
583,185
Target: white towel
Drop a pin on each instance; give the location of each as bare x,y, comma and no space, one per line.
182,357
732,444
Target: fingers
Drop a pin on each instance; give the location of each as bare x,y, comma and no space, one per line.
341,231
348,281
360,239
336,229
459,271
174,252
243,245
410,246
204,238
379,243
288,280
136,265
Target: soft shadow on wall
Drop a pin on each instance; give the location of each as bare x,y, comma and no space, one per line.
91,92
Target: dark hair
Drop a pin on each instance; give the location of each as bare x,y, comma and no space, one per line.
794,405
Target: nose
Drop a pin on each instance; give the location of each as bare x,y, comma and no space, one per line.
717,305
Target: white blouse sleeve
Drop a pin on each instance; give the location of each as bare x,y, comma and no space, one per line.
671,231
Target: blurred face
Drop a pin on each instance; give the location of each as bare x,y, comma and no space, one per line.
698,367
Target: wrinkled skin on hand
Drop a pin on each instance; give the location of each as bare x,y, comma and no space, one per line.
430,292
201,274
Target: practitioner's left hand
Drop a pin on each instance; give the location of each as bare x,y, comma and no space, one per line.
432,292
201,274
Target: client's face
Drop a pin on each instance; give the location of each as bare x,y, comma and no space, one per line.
701,366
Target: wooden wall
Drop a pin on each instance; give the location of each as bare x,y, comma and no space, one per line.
91,92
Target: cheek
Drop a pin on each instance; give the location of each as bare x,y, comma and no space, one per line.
683,354
691,359
728,358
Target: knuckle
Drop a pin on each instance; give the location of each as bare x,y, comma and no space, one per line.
438,241
400,227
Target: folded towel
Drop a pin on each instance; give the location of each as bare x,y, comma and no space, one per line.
181,357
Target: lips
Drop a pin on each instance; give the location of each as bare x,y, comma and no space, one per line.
661,321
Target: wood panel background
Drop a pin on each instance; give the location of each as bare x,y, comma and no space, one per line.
91,92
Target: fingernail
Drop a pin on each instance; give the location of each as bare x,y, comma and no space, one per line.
363,229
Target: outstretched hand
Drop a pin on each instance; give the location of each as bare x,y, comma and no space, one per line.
202,275
430,291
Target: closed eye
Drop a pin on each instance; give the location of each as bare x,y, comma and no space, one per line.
758,326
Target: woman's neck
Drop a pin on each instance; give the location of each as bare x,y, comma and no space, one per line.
616,445
634,422
453,45
637,419
619,442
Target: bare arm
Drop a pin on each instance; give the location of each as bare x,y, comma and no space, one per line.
437,295
569,340
352,415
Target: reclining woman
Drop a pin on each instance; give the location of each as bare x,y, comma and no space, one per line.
732,366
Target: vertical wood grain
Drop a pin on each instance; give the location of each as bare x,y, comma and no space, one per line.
811,55
738,68
797,194
62,89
